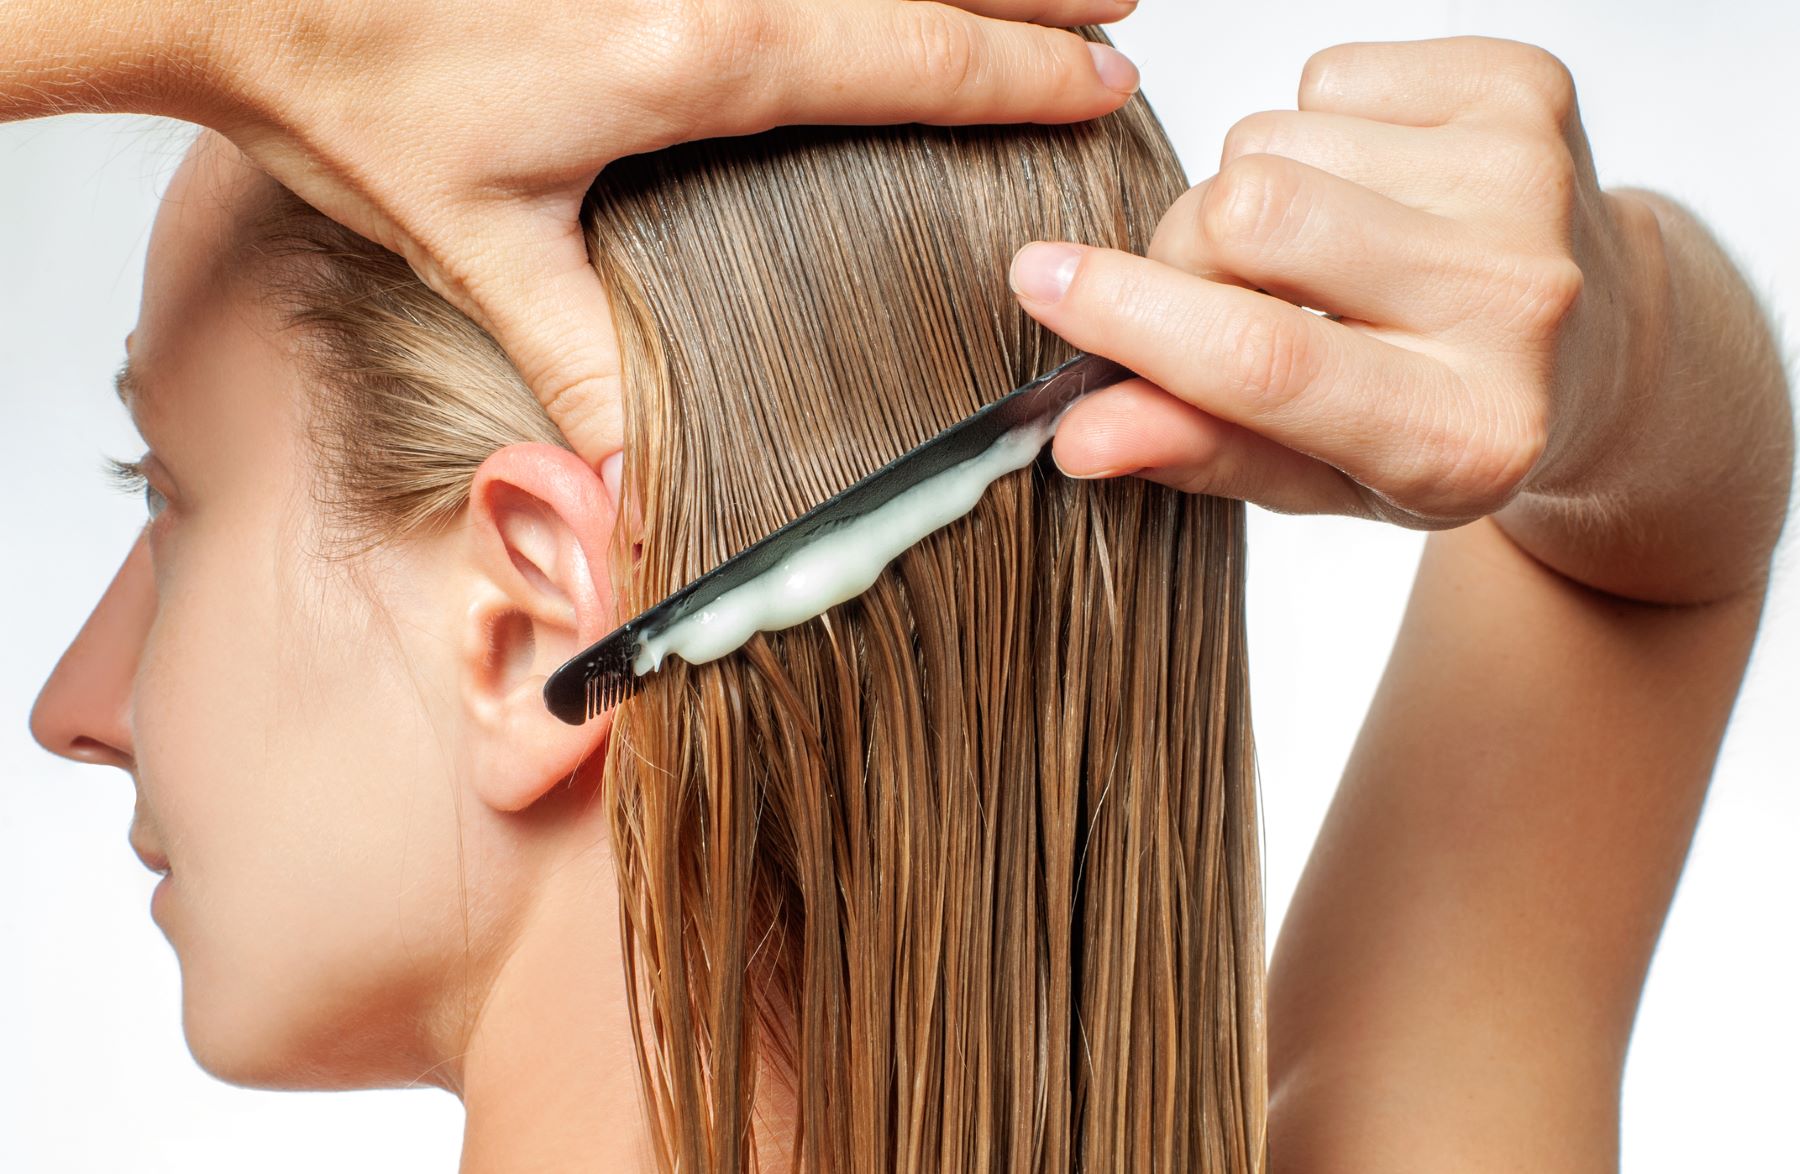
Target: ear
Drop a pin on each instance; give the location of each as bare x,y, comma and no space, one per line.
540,528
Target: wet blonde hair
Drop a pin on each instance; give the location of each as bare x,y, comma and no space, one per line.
970,863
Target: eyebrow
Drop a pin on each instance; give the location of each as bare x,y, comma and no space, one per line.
126,384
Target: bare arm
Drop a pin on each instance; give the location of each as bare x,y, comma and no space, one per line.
77,57
1456,980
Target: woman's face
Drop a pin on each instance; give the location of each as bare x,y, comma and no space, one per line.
295,735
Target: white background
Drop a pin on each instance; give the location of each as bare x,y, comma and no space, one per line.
1694,100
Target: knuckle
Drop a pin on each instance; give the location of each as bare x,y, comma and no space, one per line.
685,29
1194,478
1316,80
1174,242
1254,134
1543,83
1554,86
1546,294
1558,189
1469,470
1249,201
1537,173
747,38
942,45
1493,466
722,51
1123,293
585,408
1547,171
459,265
1269,360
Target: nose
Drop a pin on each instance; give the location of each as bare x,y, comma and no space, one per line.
83,711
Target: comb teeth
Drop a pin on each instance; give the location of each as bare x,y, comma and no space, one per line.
596,681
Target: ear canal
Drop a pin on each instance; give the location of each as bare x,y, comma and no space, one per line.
512,644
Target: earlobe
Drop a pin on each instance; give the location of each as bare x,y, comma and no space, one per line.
540,531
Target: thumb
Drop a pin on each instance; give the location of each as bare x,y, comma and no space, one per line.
533,288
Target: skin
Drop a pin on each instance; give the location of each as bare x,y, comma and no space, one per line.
1513,341
385,866
1575,390
1571,387
482,196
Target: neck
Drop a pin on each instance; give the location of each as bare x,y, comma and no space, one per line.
549,1079
548,1075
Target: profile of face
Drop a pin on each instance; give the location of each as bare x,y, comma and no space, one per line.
344,761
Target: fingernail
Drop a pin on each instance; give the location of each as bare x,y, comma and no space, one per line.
1090,475
1042,272
1115,69
611,471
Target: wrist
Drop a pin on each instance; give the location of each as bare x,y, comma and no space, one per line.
1603,424
188,69
1678,491
76,56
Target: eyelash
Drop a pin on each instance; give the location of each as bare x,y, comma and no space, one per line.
129,477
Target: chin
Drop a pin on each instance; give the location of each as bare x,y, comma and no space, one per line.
244,1040
281,1035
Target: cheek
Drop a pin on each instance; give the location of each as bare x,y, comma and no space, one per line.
308,814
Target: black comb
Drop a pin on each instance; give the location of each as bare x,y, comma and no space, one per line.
603,676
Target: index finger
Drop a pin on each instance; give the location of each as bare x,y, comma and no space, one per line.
1054,12
534,289
1429,83
1382,414
918,61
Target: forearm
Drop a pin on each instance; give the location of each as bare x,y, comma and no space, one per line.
120,56
1457,977
1680,492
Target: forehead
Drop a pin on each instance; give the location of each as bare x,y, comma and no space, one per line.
194,267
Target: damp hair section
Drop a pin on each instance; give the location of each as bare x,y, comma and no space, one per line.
963,871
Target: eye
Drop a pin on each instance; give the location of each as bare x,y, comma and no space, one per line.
154,501
129,477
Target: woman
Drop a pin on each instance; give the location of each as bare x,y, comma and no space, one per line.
939,882
1416,1010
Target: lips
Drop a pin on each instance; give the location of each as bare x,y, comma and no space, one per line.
153,860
